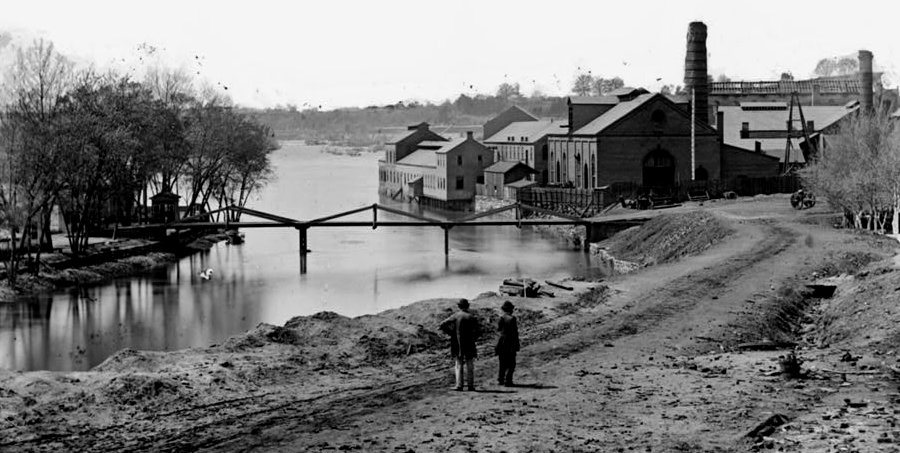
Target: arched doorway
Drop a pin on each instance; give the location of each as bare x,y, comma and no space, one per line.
659,169
585,176
558,174
700,174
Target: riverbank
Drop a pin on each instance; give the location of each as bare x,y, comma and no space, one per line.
650,360
139,263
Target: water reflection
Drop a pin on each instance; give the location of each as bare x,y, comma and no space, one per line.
351,271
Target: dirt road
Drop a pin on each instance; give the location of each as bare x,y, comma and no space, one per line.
640,362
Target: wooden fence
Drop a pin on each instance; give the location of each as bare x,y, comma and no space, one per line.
586,203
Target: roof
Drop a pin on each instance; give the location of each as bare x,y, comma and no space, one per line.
612,115
532,130
597,100
421,158
521,183
165,196
776,120
833,84
504,166
396,137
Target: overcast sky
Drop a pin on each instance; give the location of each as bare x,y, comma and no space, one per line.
338,53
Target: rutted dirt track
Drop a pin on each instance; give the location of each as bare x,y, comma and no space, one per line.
640,362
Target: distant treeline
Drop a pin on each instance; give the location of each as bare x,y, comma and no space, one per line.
370,125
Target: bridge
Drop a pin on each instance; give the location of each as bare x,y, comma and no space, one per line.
594,229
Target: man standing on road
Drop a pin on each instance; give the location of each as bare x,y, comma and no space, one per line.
463,329
507,344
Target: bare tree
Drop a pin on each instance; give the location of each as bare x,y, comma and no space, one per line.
34,85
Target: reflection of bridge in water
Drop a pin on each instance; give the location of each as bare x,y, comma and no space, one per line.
595,229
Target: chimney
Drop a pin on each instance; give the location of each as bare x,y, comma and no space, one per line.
865,81
695,76
469,135
758,146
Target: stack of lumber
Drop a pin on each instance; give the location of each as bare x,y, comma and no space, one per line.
527,287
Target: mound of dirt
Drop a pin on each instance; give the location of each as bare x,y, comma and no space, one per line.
667,238
864,311
142,390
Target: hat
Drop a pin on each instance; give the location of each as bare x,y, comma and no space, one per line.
507,306
463,303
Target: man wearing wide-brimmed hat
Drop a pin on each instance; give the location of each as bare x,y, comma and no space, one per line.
463,329
507,344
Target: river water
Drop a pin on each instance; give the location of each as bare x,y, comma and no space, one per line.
351,271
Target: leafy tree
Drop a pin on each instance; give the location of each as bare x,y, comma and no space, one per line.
836,66
583,85
722,78
601,86
787,76
509,91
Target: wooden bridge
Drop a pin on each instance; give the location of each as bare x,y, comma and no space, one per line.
594,230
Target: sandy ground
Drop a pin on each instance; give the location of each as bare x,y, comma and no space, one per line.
652,360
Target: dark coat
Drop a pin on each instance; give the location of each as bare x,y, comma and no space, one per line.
509,334
464,330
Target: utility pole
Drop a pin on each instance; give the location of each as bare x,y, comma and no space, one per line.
693,120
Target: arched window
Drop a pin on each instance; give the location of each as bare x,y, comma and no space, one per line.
594,170
658,118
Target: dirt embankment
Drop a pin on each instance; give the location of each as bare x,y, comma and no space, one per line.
647,361
662,240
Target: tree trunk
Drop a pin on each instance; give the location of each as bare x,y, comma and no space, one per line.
895,217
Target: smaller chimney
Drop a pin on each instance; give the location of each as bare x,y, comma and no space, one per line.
758,146
469,135
865,81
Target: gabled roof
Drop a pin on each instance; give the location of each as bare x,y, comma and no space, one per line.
410,130
595,100
505,166
612,115
420,158
440,147
776,120
520,109
531,130
524,182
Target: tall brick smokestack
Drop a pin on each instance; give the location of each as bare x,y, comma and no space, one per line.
865,81
695,77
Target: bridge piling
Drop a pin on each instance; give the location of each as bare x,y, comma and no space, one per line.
446,240
303,249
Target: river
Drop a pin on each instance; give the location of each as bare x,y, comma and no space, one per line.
351,271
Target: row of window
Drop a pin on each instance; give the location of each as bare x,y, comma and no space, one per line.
431,181
512,138
396,177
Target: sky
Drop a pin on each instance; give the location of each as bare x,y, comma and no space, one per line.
344,53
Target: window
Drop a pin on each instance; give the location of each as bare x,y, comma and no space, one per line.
479,159
460,183
658,117
480,179
458,160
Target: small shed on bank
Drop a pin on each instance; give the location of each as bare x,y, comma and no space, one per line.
500,174
164,207
513,188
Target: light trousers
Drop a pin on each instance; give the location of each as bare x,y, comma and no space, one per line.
469,364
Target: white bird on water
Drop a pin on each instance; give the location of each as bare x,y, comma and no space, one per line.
206,274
